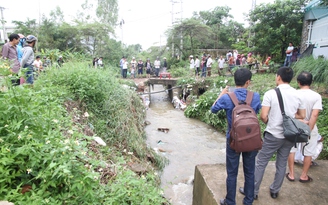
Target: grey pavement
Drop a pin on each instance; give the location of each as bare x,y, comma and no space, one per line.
209,186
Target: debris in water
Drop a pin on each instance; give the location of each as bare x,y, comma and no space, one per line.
166,130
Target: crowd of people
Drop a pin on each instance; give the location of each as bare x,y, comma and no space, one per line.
303,104
137,68
19,51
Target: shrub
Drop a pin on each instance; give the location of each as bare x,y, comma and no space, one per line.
47,155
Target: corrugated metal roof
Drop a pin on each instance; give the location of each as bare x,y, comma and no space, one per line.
312,4
316,13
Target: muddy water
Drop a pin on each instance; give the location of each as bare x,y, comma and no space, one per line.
187,143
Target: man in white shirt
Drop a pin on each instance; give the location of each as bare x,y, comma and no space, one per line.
274,140
197,67
289,53
221,61
124,67
157,65
313,104
209,65
191,62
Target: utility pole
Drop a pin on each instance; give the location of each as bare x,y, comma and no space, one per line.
251,25
172,27
121,26
181,40
3,24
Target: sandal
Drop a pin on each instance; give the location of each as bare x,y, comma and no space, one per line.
289,179
306,180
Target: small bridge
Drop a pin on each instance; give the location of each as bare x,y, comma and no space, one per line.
169,83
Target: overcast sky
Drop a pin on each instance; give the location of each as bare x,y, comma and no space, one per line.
145,20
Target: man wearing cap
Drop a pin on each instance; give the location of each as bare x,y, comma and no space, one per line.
9,52
192,62
28,58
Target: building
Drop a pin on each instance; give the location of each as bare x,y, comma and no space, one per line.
315,30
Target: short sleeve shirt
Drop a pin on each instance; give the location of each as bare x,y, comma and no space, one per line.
312,101
293,101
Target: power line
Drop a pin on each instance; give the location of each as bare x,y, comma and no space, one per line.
150,17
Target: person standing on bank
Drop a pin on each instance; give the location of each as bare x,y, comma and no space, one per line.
164,65
289,54
274,140
209,65
124,67
28,58
242,79
9,52
197,67
313,104
157,65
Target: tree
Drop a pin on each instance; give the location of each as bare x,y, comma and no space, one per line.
107,12
216,19
26,28
194,35
275,25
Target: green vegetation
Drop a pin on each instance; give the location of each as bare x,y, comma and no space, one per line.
48,154
318,68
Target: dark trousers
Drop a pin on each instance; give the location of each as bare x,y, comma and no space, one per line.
232,161
125,71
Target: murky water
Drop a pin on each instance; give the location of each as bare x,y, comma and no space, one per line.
188,142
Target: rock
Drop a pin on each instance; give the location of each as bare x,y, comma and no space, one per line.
138,168
147,122
141,87
99,141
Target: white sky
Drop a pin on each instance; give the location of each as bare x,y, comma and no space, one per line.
145,20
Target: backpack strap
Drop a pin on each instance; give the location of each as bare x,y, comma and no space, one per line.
235,101
249,97
233,97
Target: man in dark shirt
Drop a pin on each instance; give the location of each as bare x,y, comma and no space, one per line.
242,80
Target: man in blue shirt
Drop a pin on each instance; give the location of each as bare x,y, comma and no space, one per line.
242,79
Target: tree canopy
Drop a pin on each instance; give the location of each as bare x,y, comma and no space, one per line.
275,25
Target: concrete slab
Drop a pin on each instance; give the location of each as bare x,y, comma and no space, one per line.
209,186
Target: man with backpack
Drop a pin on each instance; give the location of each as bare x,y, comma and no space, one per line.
242,79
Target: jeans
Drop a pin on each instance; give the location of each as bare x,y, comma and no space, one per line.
287,60
29,74
232,161
125,71
204,71
157,72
